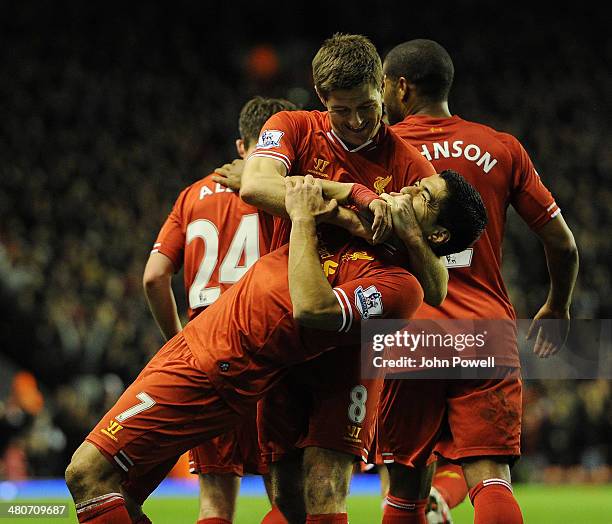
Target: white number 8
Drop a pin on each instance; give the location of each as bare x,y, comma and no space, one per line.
357,408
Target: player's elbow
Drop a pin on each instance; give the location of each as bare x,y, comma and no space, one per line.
435,297
152,280
317,317
249,191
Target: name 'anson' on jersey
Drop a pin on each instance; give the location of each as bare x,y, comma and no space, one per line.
498,166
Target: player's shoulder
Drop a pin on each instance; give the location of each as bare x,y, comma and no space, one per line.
402,147
503,138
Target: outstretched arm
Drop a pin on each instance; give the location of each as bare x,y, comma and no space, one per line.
562,260
157,284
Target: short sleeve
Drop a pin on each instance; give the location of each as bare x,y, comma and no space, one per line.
395,294
279,138
530,197
171,237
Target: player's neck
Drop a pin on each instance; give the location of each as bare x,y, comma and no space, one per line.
434,110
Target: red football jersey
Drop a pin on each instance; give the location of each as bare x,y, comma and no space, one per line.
247,339
498,166
216,235
306,144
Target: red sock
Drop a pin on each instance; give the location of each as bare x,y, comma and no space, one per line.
327,518
450,482
214,520
494,503
403,511
274,516
143,519
107,509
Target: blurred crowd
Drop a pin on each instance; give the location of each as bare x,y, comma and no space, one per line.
104,120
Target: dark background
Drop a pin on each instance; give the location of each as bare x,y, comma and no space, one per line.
108,110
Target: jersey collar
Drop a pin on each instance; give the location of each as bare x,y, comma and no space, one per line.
372,143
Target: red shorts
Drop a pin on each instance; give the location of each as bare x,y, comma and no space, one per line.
236,452
170,408
457,419
322,403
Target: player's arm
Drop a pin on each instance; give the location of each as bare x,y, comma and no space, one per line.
263,186
562,261
424,264
157,284
314,303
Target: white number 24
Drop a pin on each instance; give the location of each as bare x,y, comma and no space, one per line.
246,240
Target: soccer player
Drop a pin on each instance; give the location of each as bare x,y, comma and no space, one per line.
284,311
483,416
348,142
216,237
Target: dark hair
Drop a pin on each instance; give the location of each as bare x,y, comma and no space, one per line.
426,64
463,213
344,62
256,112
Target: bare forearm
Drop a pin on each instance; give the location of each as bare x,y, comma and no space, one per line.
314,302
562,269
163,307
427,267
265,192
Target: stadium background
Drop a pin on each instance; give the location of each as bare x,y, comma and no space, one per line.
108,110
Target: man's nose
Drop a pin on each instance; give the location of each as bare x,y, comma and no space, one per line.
355,120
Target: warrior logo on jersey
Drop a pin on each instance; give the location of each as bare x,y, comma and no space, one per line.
369,302
113,428
380,183
320,165
269,138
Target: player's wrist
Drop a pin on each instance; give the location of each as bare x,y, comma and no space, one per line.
302,218
362,196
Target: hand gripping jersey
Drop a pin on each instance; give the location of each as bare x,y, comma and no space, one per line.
247,339
496,164
217,235
305,143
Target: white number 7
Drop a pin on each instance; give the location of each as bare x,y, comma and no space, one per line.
146,402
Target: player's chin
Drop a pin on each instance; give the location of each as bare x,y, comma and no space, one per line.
360,136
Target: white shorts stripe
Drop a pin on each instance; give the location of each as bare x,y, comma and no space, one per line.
551,206
121,464
124,456
555,213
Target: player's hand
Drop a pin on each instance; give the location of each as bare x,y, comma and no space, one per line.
230,175
550,329
382,225
359,226
405,222
304,199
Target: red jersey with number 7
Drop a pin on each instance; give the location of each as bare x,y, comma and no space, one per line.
217,236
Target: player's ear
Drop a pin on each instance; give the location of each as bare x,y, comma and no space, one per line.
439,235
240,148
409,89
404,88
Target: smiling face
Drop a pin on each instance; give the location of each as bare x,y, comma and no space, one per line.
355,114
